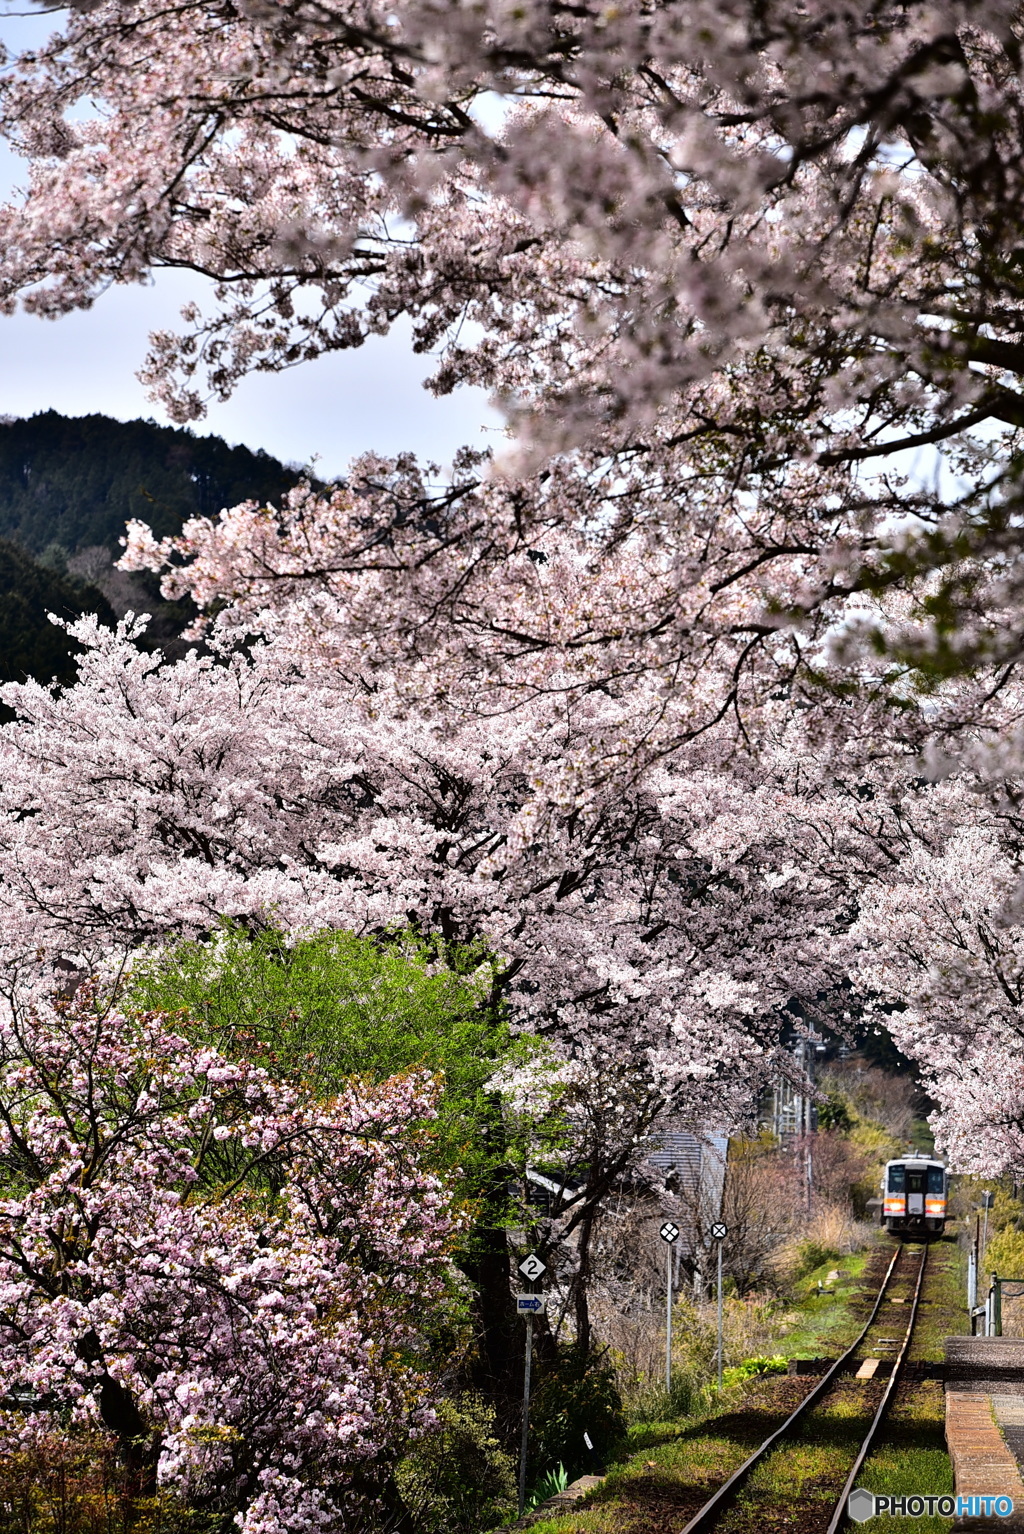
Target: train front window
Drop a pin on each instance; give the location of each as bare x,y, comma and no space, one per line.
935,1185
897,1179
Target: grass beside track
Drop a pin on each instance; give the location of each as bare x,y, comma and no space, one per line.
942,1312
677,1466
794,1490
674,1467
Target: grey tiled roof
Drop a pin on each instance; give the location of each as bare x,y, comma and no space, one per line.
681,1152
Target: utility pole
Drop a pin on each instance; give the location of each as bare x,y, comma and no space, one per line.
987,1200
808,1062
720,1341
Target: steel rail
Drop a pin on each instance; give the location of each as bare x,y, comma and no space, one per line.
839,1516
704,1518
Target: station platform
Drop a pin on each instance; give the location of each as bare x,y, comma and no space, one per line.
985,1363
985,1424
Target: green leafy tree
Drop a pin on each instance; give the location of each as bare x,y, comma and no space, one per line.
334,1005
834,1114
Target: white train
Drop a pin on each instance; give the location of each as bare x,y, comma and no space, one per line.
914,1195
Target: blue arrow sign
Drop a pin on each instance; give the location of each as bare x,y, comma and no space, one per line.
529,1304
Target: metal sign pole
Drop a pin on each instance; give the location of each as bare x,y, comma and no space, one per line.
669,1233
528,1305
719,1231
526,1415
668,1319
719,1315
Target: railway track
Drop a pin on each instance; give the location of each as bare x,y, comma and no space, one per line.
908,1263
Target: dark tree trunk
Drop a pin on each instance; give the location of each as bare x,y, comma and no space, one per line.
581,1282
138,1445
499,1346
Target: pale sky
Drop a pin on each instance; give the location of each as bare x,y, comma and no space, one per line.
371,398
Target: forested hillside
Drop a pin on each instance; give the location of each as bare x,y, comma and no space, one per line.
67,488
30,645
68,484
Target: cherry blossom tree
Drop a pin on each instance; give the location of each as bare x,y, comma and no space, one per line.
729,268
229,1277
653,927
732,259
939,946
742,260
392,577
696,181
929,869
837,792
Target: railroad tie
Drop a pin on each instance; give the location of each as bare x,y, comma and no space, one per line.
983,1466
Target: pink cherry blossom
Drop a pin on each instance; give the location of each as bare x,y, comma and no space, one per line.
225,1274
724,259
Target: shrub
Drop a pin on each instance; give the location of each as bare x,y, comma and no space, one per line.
575,1395
834,1114
749,1322
653,1403
832,1235
1003,1255
1008,1210
458,1478
812,1254
63,1478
